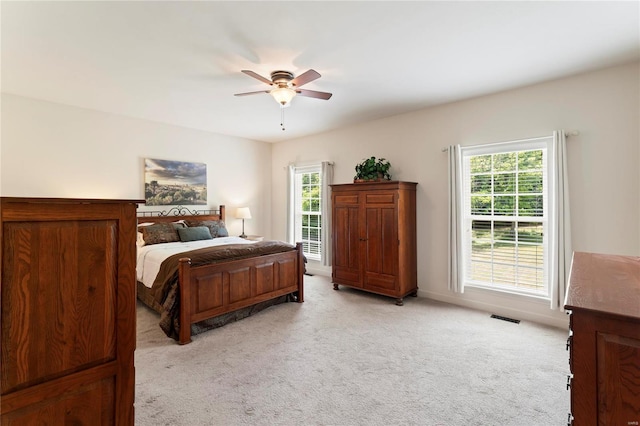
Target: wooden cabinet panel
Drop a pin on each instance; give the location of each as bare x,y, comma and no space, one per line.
347,199
346,249
618,359
603,298
381,242
60,308
68,311
264,282
210,292
93,404
380,198
239,284
374,237
286,273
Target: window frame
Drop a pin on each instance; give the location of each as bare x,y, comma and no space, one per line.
547,219
297,211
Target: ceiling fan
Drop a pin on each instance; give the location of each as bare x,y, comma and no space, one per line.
284,86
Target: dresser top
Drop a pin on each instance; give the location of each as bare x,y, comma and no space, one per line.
605,283
45,200
368,185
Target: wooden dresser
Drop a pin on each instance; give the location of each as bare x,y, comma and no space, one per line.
68,327
604,301
374,237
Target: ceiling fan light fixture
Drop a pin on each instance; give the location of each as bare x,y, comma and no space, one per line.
284,87
283,95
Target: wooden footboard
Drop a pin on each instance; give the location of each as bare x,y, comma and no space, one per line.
211,290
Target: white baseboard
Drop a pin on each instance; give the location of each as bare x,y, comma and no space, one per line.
315,268
554,319
511,306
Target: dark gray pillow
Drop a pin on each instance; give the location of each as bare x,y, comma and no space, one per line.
222,230
211,224
159,233
194,233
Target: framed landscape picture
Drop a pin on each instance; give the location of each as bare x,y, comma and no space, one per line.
171,183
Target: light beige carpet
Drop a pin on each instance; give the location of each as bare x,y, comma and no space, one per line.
352,358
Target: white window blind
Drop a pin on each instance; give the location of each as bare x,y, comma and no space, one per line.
308,210
506,215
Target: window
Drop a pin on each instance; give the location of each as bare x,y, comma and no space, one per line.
309,217
506,216
308,210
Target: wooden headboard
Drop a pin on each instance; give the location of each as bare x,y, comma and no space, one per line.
179,213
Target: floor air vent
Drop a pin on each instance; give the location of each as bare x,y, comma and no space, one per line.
505,319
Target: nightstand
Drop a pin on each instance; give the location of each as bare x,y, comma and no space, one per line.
255,237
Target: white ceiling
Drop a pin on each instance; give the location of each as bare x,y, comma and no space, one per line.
179,62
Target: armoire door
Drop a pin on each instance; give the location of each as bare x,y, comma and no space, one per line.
346,238
380,255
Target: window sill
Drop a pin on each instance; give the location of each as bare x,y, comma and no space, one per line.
505,291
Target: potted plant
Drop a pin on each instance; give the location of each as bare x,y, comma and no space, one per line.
372,169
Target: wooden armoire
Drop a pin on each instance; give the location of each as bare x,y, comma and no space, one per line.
374,237
68,317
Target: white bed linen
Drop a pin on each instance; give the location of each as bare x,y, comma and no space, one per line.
150,257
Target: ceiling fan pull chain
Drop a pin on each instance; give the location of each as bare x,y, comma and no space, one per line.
282,117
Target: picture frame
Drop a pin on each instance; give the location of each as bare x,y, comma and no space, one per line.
171,183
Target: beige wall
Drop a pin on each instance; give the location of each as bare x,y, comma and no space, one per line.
52,150
603,167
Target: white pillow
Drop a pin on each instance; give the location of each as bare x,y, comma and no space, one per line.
140,241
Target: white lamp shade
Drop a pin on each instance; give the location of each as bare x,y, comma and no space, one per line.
283,95
243,213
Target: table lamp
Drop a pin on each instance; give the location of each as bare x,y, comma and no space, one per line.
243,213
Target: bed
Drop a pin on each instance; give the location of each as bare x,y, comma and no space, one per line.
210,281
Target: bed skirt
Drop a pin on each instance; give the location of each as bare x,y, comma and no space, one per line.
147,298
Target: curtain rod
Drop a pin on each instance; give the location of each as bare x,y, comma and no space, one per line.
331,163
567,134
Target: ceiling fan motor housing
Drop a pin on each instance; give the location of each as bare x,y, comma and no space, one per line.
281,78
